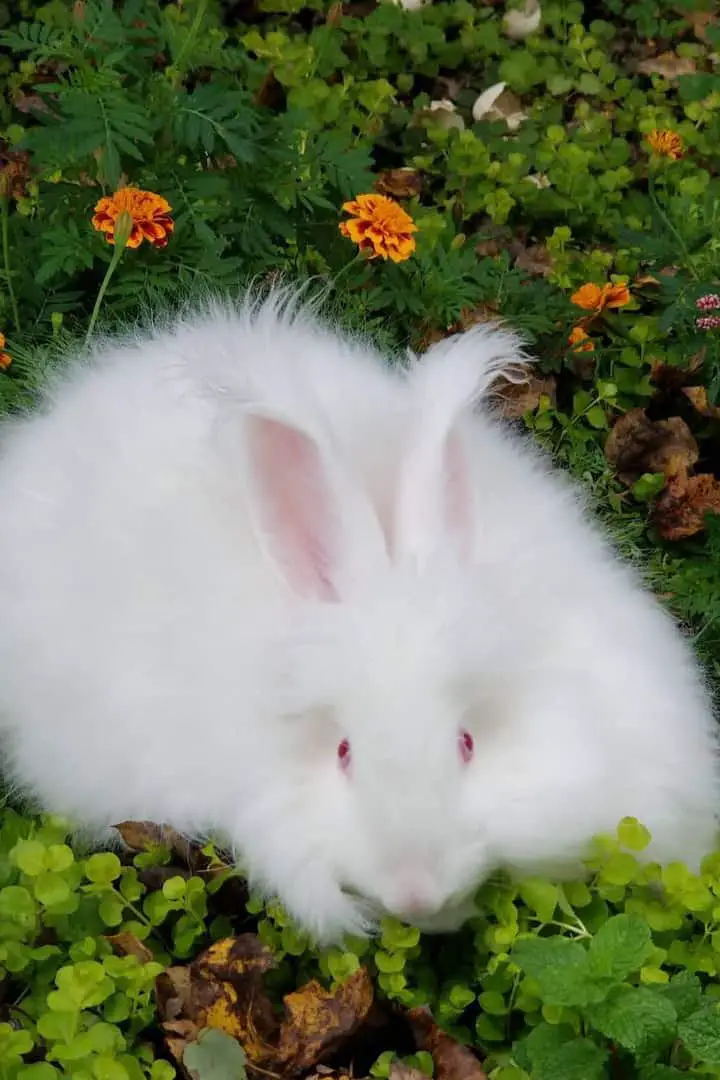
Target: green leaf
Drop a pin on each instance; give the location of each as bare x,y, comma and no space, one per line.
111,910
30,856
59,857
554,1053
633,835
103,868
174,888
635,1018
51,889
41,1070
215,1056
540,896
80,986
685,992
700,1033
620,947
560,968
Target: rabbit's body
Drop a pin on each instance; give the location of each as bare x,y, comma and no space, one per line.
233,551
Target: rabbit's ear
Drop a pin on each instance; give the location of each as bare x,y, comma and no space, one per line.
309,523
435,492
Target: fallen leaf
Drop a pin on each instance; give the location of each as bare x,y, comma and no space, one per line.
637,445
400,183
145,835
445,114
540,180
227,992
223,989
317,1020
670,377
400,1071
214,1056
668,64
172,993
518,24
128,944
452,1060
178,1035
499,103
485,101
681,508
699,21
517,398
697,396
534,259
15,172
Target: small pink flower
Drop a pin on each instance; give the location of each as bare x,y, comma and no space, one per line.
709,302
708,322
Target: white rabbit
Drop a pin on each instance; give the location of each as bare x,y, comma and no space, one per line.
255,581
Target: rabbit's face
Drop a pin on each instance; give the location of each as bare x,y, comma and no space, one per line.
394,758
412,846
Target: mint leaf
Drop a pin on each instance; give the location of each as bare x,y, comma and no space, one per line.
635,1018
700,1033
685,992
215,1056
560,967
620,947
554,1053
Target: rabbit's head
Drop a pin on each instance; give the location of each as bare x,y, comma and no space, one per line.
386,679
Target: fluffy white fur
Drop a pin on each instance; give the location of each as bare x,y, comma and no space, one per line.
231,544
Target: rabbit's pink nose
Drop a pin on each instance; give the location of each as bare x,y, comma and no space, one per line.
417,899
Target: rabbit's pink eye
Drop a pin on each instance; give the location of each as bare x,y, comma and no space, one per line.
343,753
467,745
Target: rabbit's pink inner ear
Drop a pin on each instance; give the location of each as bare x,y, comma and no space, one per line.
296,506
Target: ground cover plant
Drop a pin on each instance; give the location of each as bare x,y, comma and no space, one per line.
427,166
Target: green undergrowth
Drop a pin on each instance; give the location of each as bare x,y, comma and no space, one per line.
614,975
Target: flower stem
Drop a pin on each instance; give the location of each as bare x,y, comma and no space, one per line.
117,255
123,228
6,262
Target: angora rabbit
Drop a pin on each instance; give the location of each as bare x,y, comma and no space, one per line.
255,581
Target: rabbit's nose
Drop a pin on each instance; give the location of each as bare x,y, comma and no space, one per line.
418,898
416,904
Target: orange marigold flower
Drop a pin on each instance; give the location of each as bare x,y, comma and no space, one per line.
380,225
150,215
595,298
5,358
666,144
580,340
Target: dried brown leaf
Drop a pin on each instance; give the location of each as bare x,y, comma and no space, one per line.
535,259
317,1021
697,396
637,445
699,22
400,183
517,398
144,835
400,1071
452,1060
178,1034
128,944
681,507
173,993
668,64
223,988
